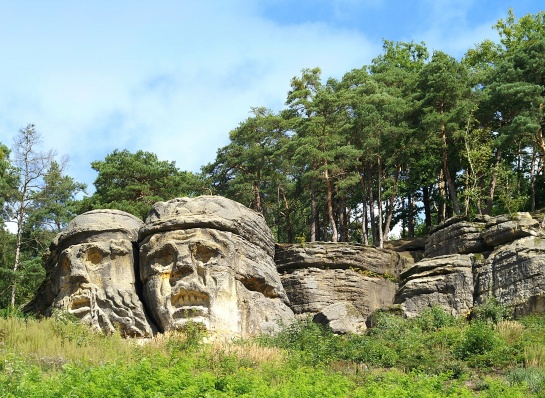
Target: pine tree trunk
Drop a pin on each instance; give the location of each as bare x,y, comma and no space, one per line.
379,203
410,216
330,206
287,213
427,207
450,183
533,182
313,215
490,200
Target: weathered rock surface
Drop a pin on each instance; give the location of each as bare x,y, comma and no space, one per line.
91,274
325,275
456,236
214,212
445,281
209,260
505,229
507,263
515,275
341,318
339,255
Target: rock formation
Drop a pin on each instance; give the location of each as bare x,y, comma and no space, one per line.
91,274
456,236
468,262
209,260
446,281
338,283
515,275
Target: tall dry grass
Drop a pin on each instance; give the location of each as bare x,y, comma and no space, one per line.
510,331
51,343
247,352
534,356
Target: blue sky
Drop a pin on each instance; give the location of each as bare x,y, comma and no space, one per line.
174,77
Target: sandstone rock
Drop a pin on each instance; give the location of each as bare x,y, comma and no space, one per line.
505,229
342,318
91,274
446,281
456,236
339,255
410,249
209,260
325,275
515,275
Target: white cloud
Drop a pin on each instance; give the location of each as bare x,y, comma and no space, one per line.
173,81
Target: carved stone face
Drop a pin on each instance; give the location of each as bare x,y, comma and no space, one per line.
96,266
93,275
96,283
191,275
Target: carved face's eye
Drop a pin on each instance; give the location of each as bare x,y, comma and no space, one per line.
204,253
65,265
163,259
94,256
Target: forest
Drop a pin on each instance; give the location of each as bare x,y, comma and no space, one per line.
410,140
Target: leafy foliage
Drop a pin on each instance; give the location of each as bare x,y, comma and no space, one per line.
134,182
409,139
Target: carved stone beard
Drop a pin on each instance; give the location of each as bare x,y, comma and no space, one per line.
107,310
96,283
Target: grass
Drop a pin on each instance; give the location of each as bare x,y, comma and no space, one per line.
433,355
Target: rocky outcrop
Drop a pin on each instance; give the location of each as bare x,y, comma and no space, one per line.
339,283
501,257
505,229
514,274
445,281
456,236
208,260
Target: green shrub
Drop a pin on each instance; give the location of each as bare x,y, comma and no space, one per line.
491,311
369,351
314,343
388,326
478,338
434,318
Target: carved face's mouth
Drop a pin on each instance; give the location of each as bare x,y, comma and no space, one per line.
80,303
190,305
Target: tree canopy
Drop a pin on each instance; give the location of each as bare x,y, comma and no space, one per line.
133,182
411,139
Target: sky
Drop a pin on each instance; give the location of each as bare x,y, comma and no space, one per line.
175,77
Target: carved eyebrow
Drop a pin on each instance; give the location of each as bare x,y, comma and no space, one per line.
168,247
105,251
119,247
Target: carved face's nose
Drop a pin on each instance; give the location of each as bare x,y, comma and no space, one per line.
77,271
184,264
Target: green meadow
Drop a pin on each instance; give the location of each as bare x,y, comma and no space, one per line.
433,355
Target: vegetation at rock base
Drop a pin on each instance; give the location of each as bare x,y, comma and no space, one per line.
433,355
